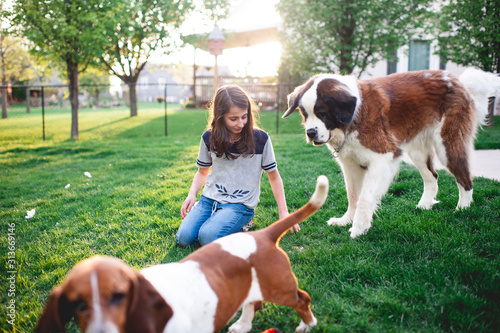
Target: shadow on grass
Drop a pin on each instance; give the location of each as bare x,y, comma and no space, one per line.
152,128
104,125
48,151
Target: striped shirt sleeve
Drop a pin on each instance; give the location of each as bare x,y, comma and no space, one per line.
204,159
268,158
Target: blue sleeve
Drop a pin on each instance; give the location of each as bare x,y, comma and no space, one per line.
204,159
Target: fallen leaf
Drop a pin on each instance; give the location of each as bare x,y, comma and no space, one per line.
30,214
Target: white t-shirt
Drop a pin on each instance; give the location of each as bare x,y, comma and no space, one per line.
237,180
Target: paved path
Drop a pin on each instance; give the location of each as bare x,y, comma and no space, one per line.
486,163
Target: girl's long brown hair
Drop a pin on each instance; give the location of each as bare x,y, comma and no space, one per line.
220,139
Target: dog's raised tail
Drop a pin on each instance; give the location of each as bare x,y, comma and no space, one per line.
279,228
481,85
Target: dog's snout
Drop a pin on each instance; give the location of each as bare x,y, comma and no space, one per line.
312,133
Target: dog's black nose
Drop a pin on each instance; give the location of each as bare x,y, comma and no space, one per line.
312,133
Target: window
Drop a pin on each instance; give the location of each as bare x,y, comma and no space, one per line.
420,53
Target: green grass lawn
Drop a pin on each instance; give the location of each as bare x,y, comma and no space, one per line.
489,137
415,271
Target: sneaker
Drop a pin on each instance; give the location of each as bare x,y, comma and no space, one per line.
248,226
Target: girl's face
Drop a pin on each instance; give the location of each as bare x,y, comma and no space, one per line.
235,120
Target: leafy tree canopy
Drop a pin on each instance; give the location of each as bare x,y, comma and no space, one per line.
144,27
346,36
216,9
18,67
470,33
65,30
72,32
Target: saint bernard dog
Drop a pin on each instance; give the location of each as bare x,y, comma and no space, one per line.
368,124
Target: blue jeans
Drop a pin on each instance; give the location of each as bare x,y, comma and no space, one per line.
210,220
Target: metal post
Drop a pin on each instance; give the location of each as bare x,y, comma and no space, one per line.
194,77
28,99
165,107
278,110
43,113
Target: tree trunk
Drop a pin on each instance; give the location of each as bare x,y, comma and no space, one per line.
133,99
96,98
73,96
4,79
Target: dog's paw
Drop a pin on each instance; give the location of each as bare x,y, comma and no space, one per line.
426,204
462,207
306,328
340,221
465,199
240,327
358,231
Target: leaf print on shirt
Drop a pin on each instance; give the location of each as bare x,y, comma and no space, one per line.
235,195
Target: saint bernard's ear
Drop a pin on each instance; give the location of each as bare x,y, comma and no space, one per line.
343,106
293,102
295,96
337,96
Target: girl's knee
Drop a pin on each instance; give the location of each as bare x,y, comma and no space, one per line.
182,242
207,237
183,239
209,233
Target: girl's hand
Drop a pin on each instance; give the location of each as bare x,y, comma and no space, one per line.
186,206
296,228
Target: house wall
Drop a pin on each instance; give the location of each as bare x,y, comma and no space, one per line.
152,81
380,68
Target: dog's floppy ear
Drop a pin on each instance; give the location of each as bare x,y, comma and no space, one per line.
293,102
294,97
148,312
343,106
56,314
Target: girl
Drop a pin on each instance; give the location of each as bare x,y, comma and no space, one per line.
237,153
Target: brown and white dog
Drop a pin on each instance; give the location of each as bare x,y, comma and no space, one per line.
201,293
369,124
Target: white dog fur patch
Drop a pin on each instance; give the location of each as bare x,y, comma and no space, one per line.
240,245
186,289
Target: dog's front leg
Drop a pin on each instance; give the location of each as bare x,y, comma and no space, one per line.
244,323
378,178
353,177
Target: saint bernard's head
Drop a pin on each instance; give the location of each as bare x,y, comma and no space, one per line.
327,103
